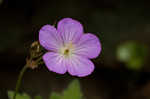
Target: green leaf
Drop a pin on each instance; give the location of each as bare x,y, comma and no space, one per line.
55,96
38,97
73,91
132,54
18,96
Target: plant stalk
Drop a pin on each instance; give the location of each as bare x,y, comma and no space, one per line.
19,80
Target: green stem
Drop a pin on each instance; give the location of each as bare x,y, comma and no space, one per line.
19,80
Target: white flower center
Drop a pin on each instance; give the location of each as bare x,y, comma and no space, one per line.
67,50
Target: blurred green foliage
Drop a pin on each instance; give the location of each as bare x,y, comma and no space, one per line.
55,96
72,92
18,96
133,54
37,97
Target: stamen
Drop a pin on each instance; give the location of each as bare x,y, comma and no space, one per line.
66,52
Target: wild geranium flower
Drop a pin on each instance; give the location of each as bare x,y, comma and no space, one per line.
69,49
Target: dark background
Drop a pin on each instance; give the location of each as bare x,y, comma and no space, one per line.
113,21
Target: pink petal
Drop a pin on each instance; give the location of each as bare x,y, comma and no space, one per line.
71,30
55,62
88,46
49,38
80,66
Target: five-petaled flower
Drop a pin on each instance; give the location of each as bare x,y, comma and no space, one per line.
69,49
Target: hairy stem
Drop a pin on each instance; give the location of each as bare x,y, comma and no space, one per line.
19,80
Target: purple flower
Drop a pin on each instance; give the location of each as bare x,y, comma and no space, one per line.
69,49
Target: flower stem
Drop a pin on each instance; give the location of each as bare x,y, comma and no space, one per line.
19,80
